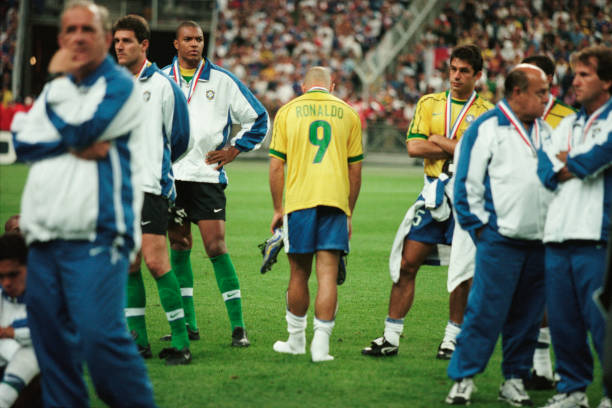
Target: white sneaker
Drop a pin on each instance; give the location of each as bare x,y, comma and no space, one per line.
606,402
576,399
461,392
287,348
513,392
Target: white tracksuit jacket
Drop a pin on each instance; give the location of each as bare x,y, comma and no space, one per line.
166,130
580,208
496,181
216,101
69,198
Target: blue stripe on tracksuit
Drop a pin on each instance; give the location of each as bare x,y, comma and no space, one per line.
574,270
87,132
575,237
507,297
77,300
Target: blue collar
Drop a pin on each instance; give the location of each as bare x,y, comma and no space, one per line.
106,66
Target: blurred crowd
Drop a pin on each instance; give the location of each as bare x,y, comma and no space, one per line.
8,40
270,43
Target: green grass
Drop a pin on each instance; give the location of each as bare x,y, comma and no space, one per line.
221,376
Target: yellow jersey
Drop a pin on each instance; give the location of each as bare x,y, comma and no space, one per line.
558,111
318,136
429,120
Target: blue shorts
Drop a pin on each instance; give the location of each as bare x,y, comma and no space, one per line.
315,229
427,230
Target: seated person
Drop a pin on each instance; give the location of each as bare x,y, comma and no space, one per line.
17,357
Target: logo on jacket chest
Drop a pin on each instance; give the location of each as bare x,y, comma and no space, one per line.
210,94
146,95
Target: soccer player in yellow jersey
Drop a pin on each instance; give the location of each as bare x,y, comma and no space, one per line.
439,121
542,376
318,137
555,108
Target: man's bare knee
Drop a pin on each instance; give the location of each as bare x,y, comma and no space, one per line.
408,271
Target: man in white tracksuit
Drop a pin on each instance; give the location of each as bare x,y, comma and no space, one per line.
576,163
80,214
501,203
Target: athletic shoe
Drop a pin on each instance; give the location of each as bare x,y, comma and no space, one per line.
605,403
174,356
341,270
538,382
576,399
192,334
380,347
239,338
445,350
513,392
461,392
270,249
145,352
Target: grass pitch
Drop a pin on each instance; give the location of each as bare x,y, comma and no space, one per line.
222,376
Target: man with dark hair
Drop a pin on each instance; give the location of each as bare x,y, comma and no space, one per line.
217,100
496,170
576,163
167,133
17,357
80,212
541,376
439,122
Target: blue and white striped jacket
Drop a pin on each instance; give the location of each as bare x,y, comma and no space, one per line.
580,208
166,129
13,313
496,181
69,198
216,101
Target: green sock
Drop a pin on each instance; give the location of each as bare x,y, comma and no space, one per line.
181,265
170,297
135,308
227,280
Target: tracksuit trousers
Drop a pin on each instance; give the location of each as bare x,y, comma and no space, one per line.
507,297
75,300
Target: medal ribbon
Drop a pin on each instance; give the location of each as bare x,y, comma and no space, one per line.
450,131
549,106
520,128
587,126
194,81
145,64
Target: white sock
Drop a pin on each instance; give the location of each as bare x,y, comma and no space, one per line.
8,395
451,332
542,364
393,330
296,343
319,347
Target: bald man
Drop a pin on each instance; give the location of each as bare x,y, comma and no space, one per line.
318,137
501,203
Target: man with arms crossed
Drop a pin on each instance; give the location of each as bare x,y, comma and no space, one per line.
439,122
166,130
318,136
80,214
576,163
217,100
501,203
